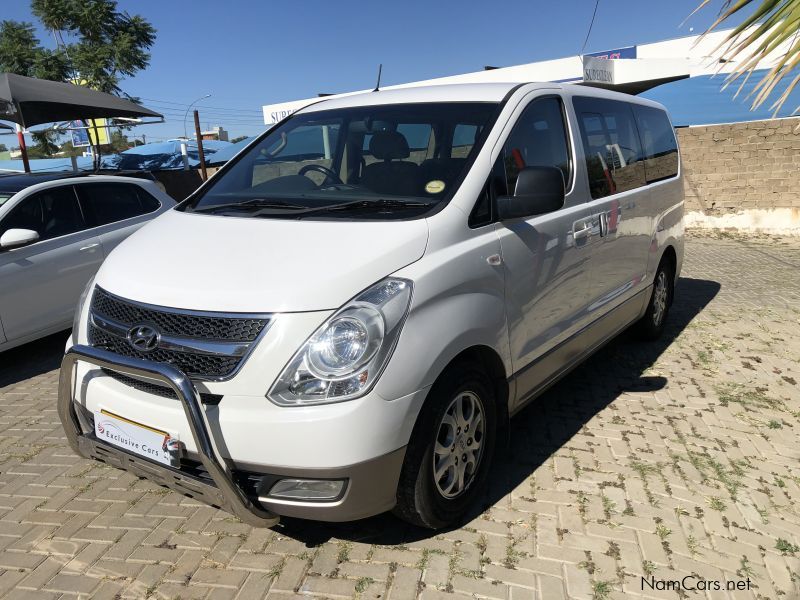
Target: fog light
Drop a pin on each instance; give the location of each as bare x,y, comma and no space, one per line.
308,489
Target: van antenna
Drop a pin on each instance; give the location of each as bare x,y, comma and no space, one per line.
378,85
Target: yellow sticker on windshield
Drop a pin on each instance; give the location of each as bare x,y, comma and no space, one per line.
435,186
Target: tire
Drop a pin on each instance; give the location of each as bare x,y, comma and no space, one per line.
652,324
424,500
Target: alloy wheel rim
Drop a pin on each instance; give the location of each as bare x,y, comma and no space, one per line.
660,298
458,448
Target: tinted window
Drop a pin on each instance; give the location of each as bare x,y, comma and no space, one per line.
611,145
106,203
539,139
50,213
658,140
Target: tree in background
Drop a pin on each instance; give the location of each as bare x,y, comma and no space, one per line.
774,23
102,44
3,148
21,53
97,45
119,143
238,139
45,143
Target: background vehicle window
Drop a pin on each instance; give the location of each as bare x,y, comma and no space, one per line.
611,144
539,139
50,213
105,203
658,140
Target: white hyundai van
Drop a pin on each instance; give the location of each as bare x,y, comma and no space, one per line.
341,321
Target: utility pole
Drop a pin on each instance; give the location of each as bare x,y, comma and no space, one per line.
200,145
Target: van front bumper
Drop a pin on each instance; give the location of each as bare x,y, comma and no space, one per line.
242,489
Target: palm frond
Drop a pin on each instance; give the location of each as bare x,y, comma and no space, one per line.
773,26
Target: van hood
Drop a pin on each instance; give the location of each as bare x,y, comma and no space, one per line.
216,263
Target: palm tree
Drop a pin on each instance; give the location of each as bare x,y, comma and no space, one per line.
774,23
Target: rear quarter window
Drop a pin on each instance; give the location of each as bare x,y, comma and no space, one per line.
613,152
659,143
105,203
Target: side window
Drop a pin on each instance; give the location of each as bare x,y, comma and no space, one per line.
658,140
51,213
539,139
106,203
611,144
464,136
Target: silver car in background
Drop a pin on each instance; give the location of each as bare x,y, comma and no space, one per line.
55,231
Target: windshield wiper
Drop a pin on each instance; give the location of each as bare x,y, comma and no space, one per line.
382,204
255,203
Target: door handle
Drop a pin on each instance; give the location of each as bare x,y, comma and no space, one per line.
603,224
89,247
582,233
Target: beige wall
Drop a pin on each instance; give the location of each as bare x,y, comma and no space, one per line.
741,166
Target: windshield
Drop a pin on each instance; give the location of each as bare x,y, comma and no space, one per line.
366,162
4,196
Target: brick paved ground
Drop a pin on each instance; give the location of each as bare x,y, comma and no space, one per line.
660,460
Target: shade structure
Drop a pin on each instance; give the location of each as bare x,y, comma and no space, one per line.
30,101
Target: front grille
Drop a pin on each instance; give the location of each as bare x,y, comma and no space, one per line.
172,322
157,389
198,365
116,316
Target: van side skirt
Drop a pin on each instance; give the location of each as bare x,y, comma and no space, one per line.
532,380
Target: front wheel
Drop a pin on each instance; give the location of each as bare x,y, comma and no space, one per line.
652,324
451,448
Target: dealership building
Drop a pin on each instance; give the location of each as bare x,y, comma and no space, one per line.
685,74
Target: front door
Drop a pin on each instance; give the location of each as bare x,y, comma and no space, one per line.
546,256
41,283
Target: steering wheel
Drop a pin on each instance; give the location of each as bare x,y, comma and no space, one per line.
329,173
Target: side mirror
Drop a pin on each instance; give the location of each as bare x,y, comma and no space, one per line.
14,238
539,190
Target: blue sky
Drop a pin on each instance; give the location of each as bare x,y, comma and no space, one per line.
248,53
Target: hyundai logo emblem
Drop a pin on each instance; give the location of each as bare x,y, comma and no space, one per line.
143,338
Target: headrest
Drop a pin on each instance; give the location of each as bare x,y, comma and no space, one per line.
386,145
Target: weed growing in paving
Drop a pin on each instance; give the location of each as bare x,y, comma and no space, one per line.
649,567
749,399
786,547
362,584
602,590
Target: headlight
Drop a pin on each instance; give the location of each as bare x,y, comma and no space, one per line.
76,320
344,357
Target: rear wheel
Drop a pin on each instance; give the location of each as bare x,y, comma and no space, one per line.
652,324
447,460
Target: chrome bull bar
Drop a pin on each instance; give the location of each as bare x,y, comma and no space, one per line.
227,494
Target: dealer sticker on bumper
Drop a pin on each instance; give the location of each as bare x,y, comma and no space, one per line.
133,437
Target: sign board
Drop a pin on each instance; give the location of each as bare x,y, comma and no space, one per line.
598,70
629,52
81,136
273,113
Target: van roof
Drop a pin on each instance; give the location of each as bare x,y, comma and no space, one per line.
460,92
